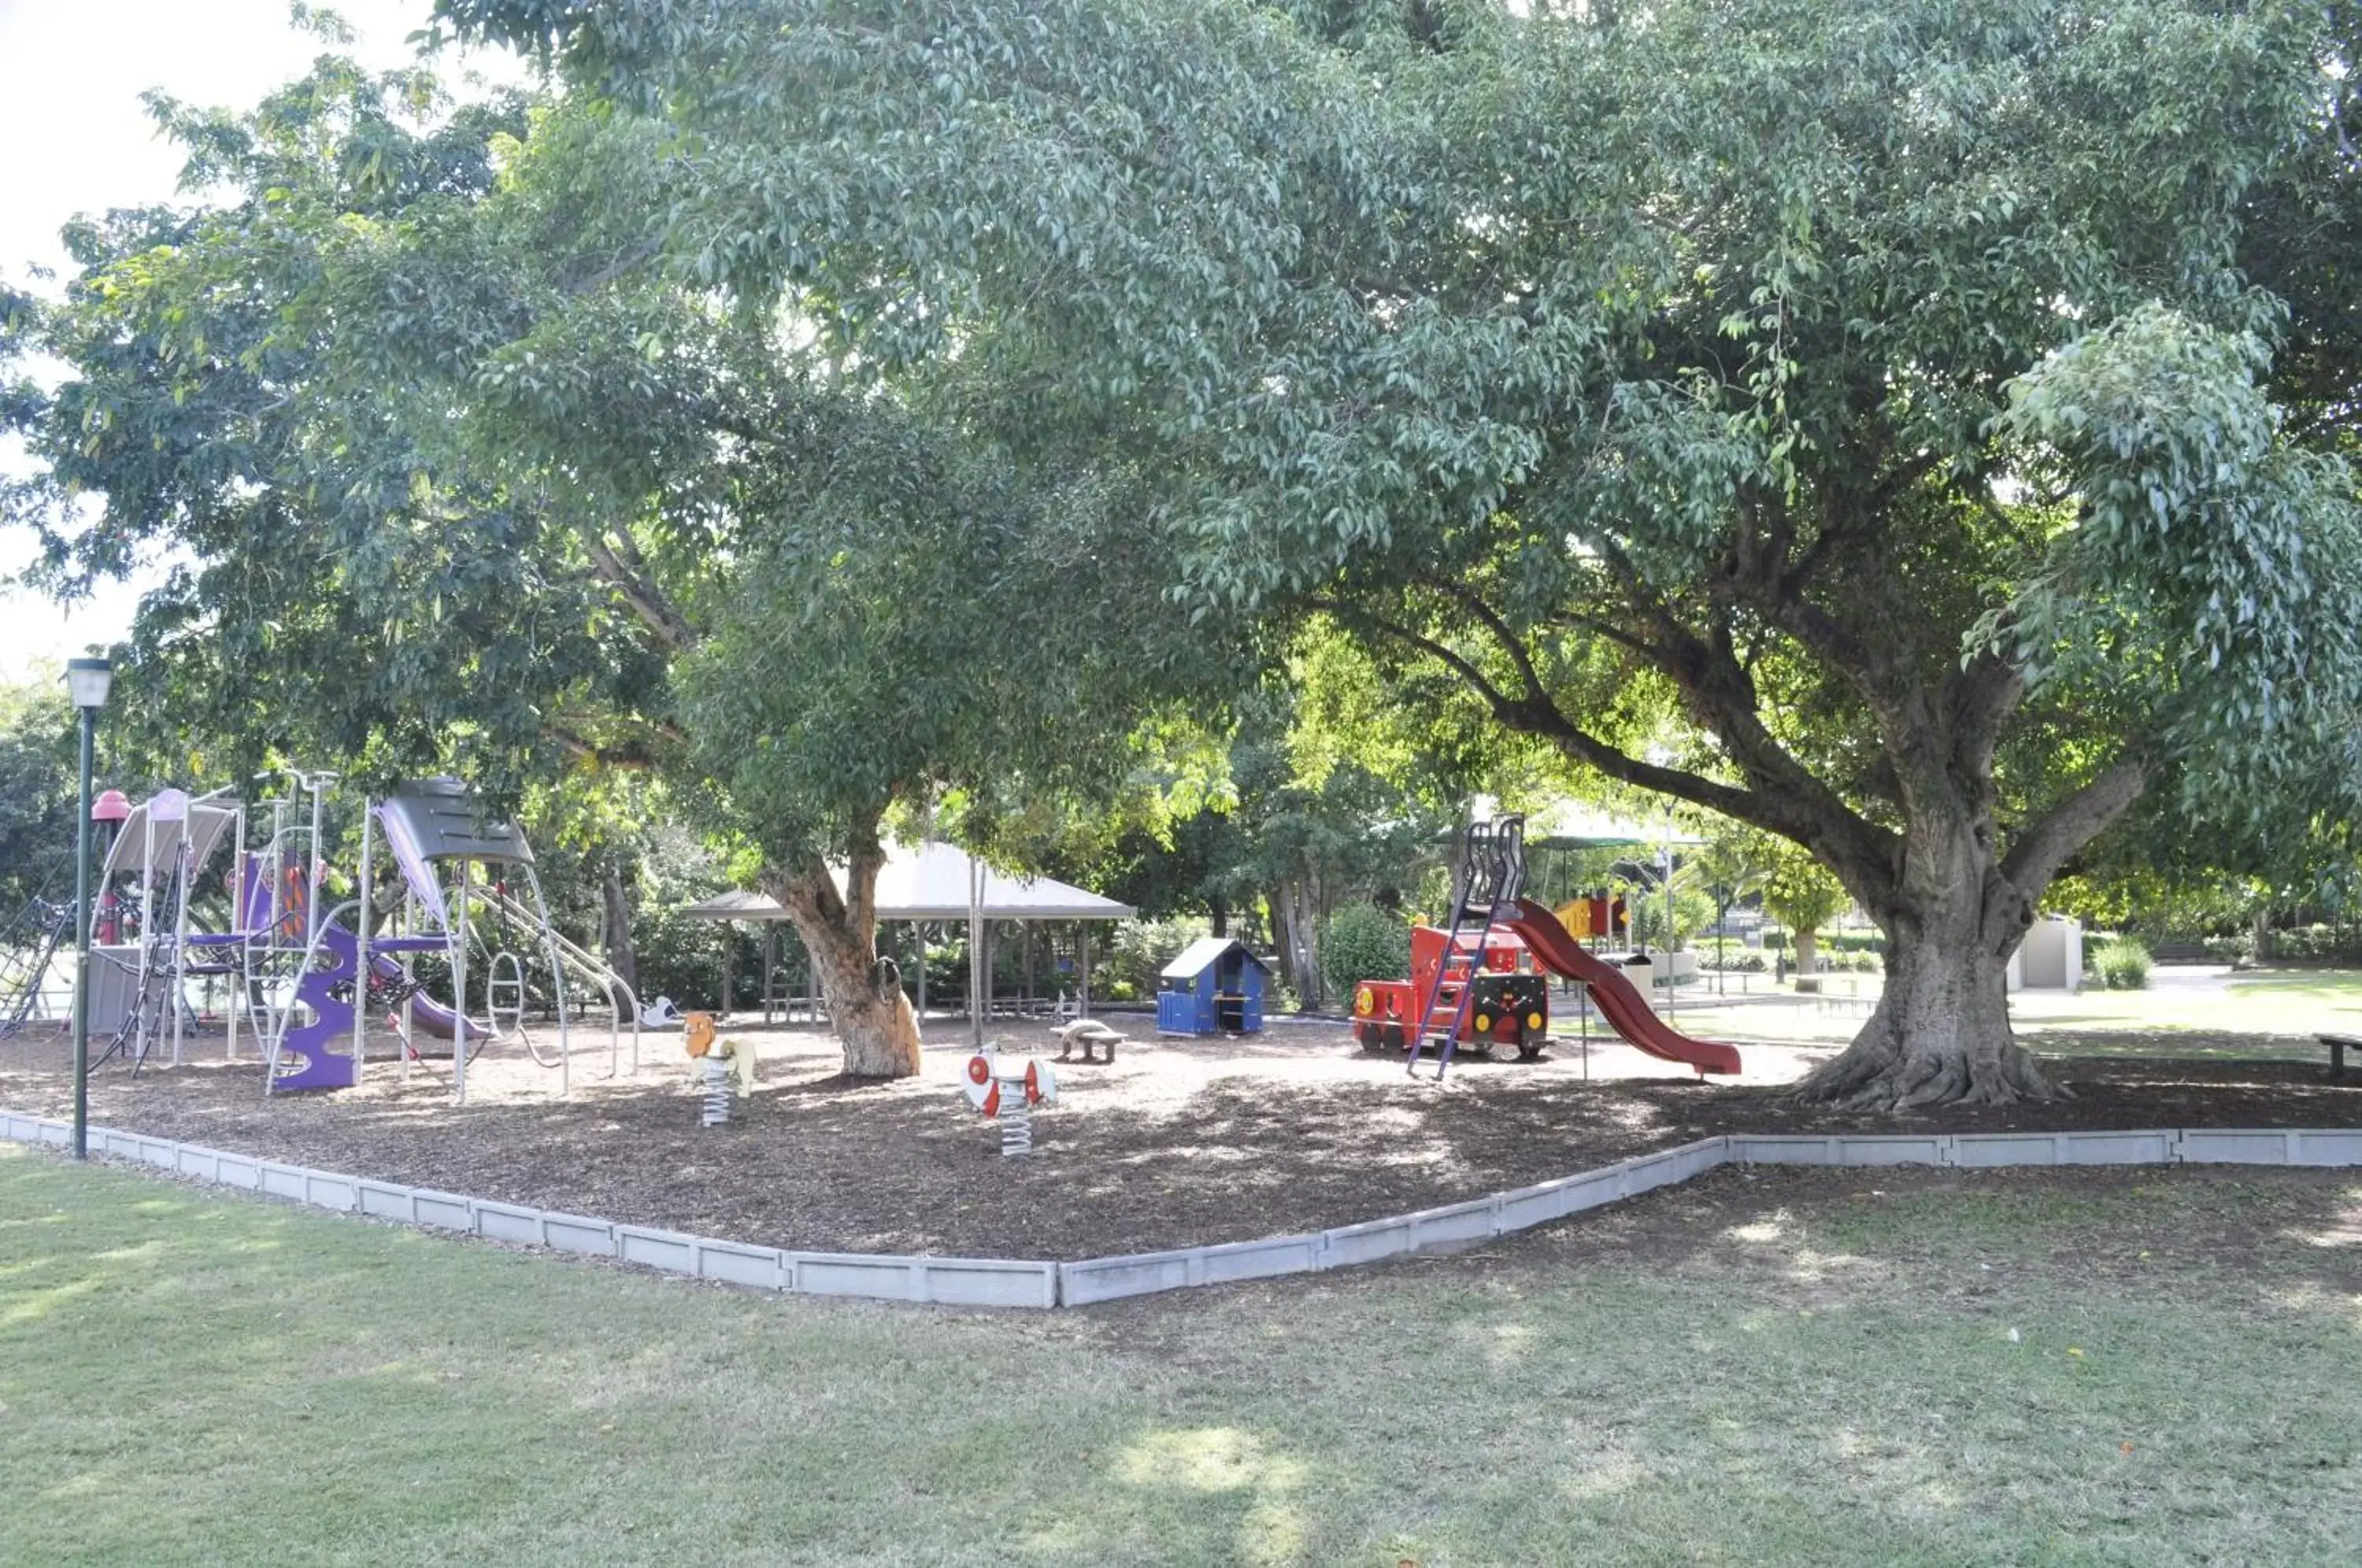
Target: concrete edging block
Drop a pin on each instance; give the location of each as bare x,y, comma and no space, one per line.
974,1282
240,1171
1263,1259
1523,1208
203,1164
2235,1146
667,1250
1646,1173
854,1274
1109,1278
444,1210
1343,1246
2158,1148
1453,1224
283,1181
388,1201
1781,1149
578,1233
734,1263
2322,1147
325,1189
511,1222
1997,1151
1933,1148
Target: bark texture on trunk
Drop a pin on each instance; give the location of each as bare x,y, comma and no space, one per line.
622,958
866,1008
1940,1034
1808,953
1296,920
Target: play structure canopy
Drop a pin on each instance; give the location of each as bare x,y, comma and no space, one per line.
931,882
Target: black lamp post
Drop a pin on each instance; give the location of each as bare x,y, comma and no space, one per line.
86,682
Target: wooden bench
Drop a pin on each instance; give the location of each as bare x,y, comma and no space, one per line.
2338,1045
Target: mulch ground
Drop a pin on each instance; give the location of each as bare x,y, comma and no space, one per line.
1179,1143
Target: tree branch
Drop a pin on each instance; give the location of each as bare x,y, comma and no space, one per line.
2036,853
639,592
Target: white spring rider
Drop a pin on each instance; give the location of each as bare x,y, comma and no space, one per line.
1007,1091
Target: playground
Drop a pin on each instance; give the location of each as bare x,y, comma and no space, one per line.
1178,1142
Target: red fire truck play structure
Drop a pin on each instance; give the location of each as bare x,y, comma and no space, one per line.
1510,1006
1482,981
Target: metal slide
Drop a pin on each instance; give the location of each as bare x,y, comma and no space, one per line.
1620,1002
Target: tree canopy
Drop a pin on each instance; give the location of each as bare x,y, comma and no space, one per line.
464,472
1900,391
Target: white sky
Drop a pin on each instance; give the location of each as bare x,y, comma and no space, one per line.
77,140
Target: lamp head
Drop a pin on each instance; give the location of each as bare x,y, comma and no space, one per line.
111,807
87,680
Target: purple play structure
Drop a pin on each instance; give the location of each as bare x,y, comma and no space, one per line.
439,842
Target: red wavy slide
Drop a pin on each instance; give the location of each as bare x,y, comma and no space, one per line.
1620,1002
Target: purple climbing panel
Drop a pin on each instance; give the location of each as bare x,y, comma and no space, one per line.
331,1019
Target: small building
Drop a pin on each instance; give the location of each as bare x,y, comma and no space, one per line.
1214,987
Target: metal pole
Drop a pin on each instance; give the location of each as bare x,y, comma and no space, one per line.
1669,933
557,980
81,952
976,981
361,946
409,975
318,785
187,862
242,987
459,950
1583,994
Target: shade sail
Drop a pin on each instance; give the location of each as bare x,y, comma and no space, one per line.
931,882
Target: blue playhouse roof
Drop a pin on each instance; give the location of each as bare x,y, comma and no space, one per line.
1200,956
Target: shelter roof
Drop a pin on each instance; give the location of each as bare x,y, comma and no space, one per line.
930,881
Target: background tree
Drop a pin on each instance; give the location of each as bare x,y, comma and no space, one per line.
38,791
1800,893
1871,382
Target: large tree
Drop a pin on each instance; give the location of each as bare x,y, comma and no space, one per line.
1875,380
466,470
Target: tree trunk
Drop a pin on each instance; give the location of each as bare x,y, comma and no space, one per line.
1808,950
867,1009
620,956
1295,921
1941,1035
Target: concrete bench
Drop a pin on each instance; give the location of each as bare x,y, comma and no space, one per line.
2337,1045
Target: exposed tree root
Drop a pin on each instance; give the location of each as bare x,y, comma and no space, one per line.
1876,1074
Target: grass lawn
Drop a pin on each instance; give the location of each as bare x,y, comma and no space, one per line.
1794,1367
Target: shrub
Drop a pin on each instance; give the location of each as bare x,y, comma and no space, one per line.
2122,965
1143,948
681,957
1363,942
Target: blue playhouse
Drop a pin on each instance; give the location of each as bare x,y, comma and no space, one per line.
1214,987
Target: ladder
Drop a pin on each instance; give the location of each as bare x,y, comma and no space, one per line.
26,951
1491,874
